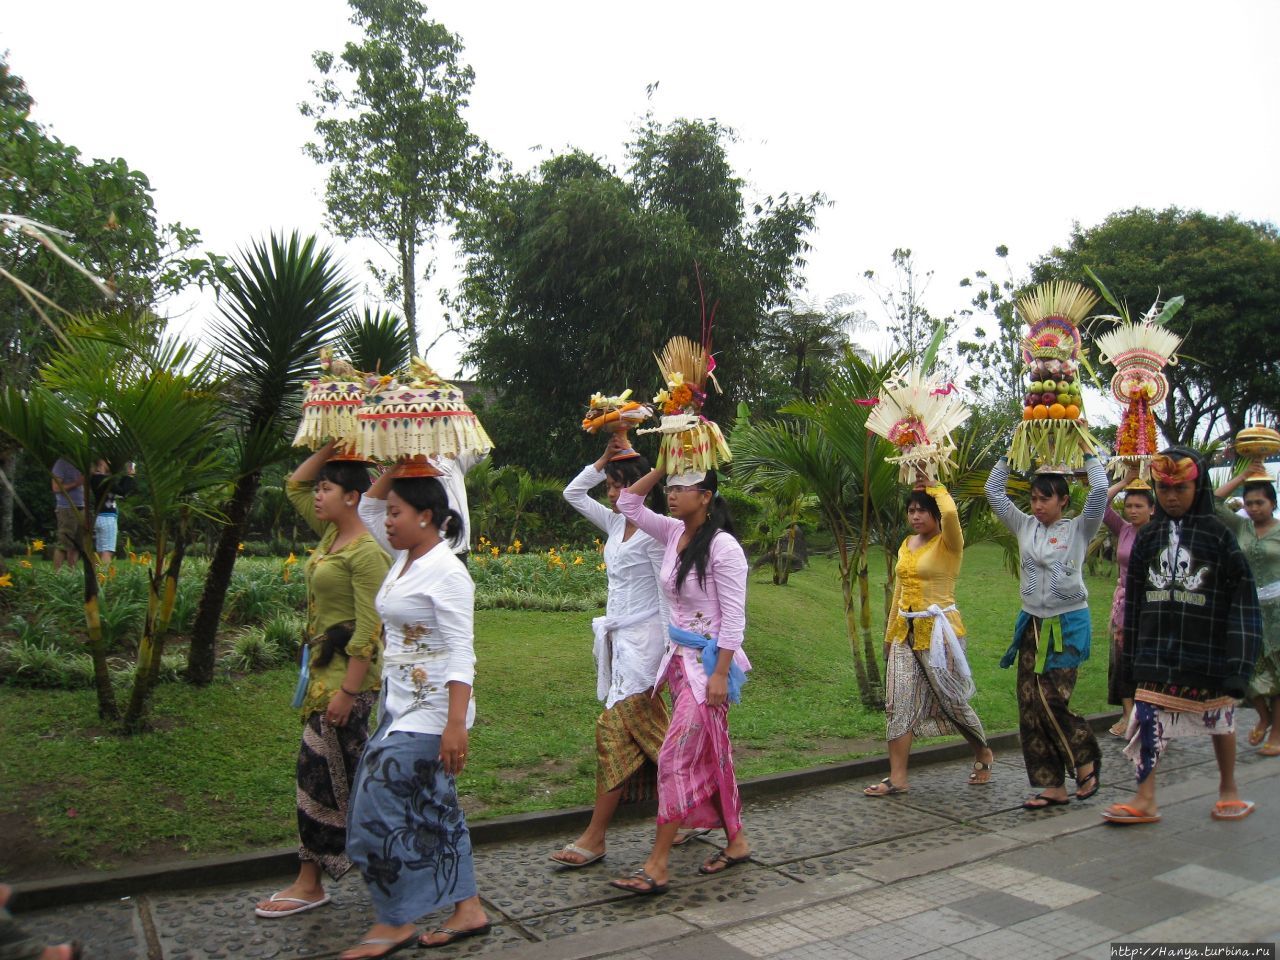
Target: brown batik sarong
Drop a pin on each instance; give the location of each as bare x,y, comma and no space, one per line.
1055,741
327,763
629,737
916,703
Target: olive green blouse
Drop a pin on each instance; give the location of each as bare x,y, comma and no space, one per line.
341,587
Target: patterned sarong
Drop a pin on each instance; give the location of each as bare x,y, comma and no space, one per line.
916,703
629,738
327,761
406,832
1055,741
697,786
1163,711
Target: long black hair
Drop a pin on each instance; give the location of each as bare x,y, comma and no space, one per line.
335,641
696,554
427,493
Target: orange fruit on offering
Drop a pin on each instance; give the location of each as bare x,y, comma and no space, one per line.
1073,412
1028,413
1039,411
1057,412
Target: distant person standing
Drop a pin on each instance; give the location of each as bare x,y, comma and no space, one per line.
107,489
68,504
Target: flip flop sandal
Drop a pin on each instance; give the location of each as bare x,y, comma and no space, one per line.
1118,729
1092,777
1232,809
980,767
890,790
588,856
1049,801
303,906
1257,735
722,857
453,935
394,946
654,887
1122,814
1269,750
687,835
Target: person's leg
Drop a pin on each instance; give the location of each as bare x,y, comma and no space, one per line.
1259,732
983,756
594,837
1044,767
1224,751
656,864
1273,707
1073,738
899,755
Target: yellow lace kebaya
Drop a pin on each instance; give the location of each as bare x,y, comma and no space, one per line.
927,575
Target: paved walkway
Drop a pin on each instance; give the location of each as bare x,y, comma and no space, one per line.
945,872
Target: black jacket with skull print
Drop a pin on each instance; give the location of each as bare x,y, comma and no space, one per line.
1191,606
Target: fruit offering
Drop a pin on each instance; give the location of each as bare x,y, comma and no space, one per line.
1053,407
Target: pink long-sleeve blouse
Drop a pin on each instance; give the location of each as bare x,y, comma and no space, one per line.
1125,533
717,608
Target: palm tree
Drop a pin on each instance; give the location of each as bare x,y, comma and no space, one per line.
116,389
283,299
374,341
808,338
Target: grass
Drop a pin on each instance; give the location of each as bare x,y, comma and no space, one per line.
216,774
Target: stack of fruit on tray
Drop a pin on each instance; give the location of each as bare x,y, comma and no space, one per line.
1053,414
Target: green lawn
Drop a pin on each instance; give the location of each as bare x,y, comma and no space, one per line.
216,775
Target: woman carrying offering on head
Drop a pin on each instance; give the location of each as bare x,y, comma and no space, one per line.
927,679
1139,506
1259,538
406,832
629,642
1051,637
344,637
704,580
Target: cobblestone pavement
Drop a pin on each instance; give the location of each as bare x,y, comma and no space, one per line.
944,872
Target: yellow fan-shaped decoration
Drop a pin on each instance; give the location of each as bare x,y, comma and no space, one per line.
917,414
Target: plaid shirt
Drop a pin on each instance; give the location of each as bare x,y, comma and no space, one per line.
1191,608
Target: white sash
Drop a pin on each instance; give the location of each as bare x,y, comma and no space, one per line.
603,649
956,681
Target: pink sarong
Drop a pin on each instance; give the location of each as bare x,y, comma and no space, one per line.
697,785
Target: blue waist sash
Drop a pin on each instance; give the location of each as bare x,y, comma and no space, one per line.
710,656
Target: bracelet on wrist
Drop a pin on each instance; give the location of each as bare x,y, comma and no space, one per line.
348,692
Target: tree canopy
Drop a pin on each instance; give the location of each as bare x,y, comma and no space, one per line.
575,275
1228,270
401,157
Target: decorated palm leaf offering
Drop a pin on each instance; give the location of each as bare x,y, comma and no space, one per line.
329,406
917,414
1140,350
415,415
690,442
614,414
1257,443
1053,411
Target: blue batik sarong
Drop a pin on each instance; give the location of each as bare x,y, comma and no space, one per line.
405,831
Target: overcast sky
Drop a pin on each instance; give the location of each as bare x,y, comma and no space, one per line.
943,127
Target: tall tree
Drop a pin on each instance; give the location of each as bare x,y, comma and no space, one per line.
575,275
910,325
388,112
282,300
1228,270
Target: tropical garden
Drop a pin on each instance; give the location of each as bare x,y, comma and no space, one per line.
145,701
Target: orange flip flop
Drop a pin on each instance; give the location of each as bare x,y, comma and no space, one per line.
1123,814
1232,809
